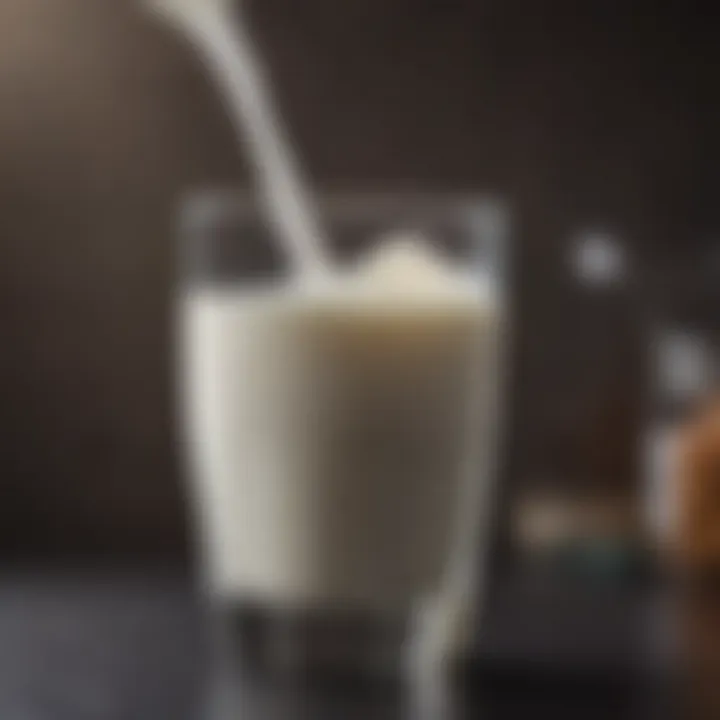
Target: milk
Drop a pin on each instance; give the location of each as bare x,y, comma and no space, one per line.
330,422
327,430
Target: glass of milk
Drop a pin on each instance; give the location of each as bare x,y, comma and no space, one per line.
339,436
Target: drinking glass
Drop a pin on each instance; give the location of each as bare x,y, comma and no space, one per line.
314,565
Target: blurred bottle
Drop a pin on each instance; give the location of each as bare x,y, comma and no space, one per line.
681,378
683,428
697,540
577,512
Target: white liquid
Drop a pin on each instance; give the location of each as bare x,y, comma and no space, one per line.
328,435
272,535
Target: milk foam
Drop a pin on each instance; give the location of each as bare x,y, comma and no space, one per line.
402,272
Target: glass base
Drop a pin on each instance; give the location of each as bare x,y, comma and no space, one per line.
310,644
269,661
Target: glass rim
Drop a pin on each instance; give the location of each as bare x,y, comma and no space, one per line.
209,217
211,202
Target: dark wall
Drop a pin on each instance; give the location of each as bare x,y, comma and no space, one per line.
576,112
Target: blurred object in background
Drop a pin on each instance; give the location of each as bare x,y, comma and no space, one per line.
682,473
583,536
599,259
577,514
681,377
698,490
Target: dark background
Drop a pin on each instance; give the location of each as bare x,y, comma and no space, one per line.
579,114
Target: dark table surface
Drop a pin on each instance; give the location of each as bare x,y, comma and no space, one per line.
128,646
